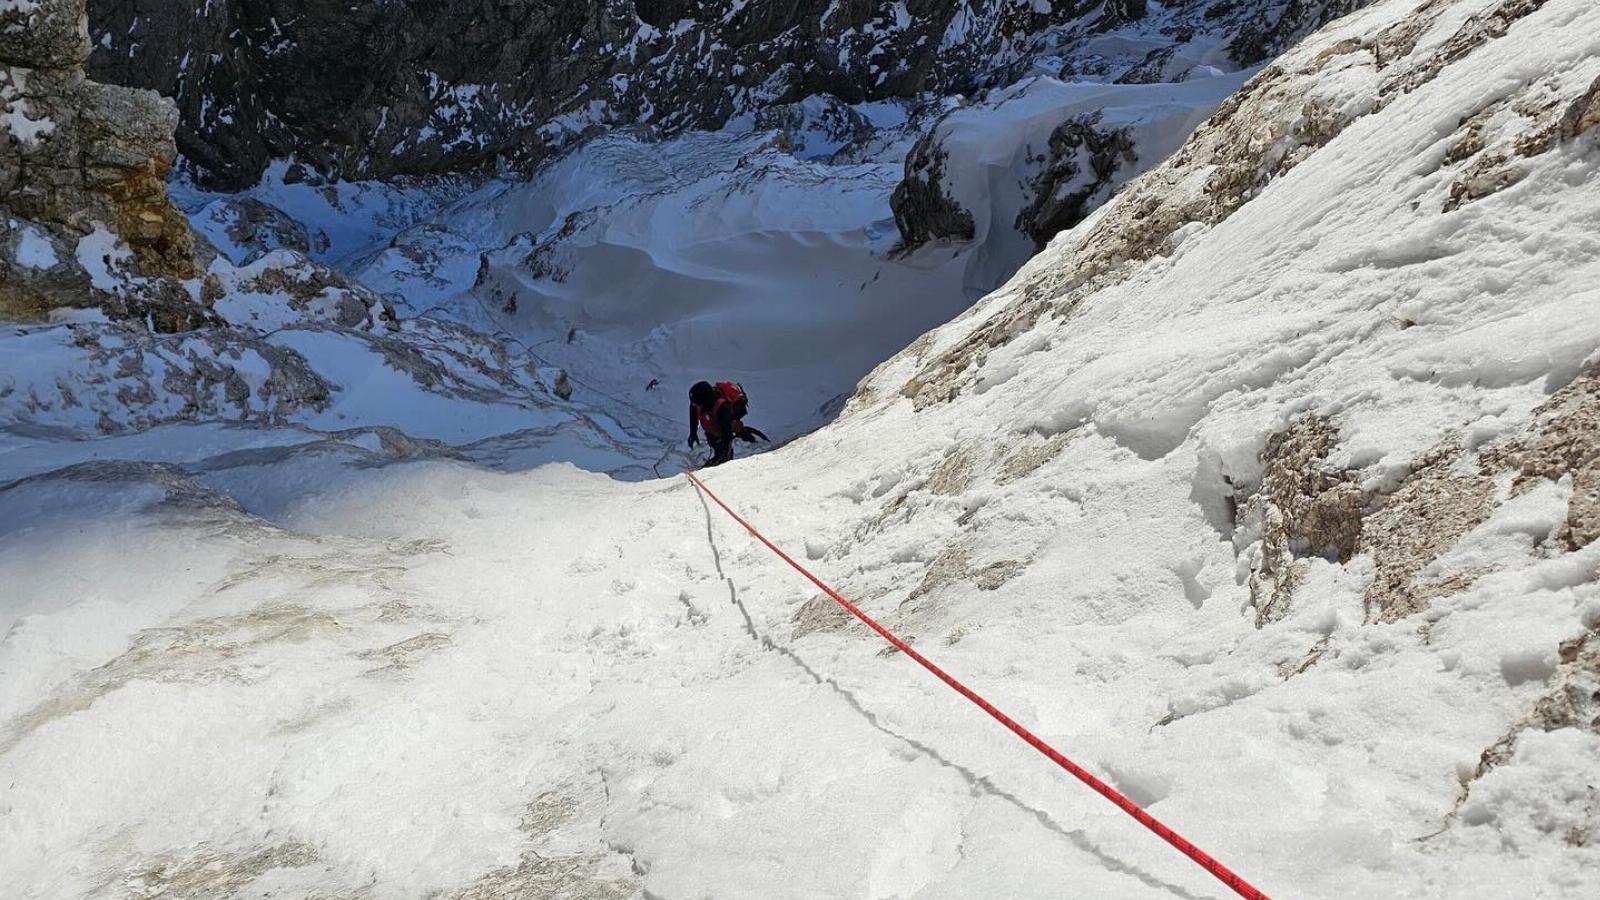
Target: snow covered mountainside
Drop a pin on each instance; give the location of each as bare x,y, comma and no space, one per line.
789,250
1270,491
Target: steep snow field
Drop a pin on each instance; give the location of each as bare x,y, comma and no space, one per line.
281,663
766,253
767,257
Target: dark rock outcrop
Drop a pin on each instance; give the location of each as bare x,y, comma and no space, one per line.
1276,27
923,210
1078,176
376,90
425,87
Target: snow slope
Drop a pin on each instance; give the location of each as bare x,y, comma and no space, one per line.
769,257
302,669
765,254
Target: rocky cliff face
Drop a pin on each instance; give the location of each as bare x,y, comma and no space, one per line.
376,90
1085,159
384,89
77,159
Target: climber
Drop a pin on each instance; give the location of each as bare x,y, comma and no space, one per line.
720,410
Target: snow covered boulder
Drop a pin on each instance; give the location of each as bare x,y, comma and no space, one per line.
101,378
924,211
38,272
421,266
818,127
283,287
45,274
244,228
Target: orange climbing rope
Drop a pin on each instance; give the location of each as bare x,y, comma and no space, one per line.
1203,859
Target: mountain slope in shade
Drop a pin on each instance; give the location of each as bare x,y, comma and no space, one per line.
388,89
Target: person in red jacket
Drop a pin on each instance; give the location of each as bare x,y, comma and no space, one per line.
720,410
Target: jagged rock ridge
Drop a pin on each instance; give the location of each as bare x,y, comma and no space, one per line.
386,89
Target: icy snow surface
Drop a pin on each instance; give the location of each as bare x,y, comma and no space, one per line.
271,662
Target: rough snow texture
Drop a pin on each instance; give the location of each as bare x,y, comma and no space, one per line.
275,661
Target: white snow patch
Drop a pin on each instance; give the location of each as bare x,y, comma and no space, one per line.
34,250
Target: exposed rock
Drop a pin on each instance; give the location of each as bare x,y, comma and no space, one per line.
353,90
38,34
1307,509
244,228
1583,115
403,656
1564,441
95,153
993,575
202,651
1572,701
1475,32
133,380
1399,40
1027,454
1282,116
208,872
954,565
1081,162
536,875
1153,70
820,613
38,272
1437,504
1304,508
819,127
1276,28
950,566
1077,177
1260,133
75,154
923,211
953,475
940,380
1532,122
1116,12
315,291
415,88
